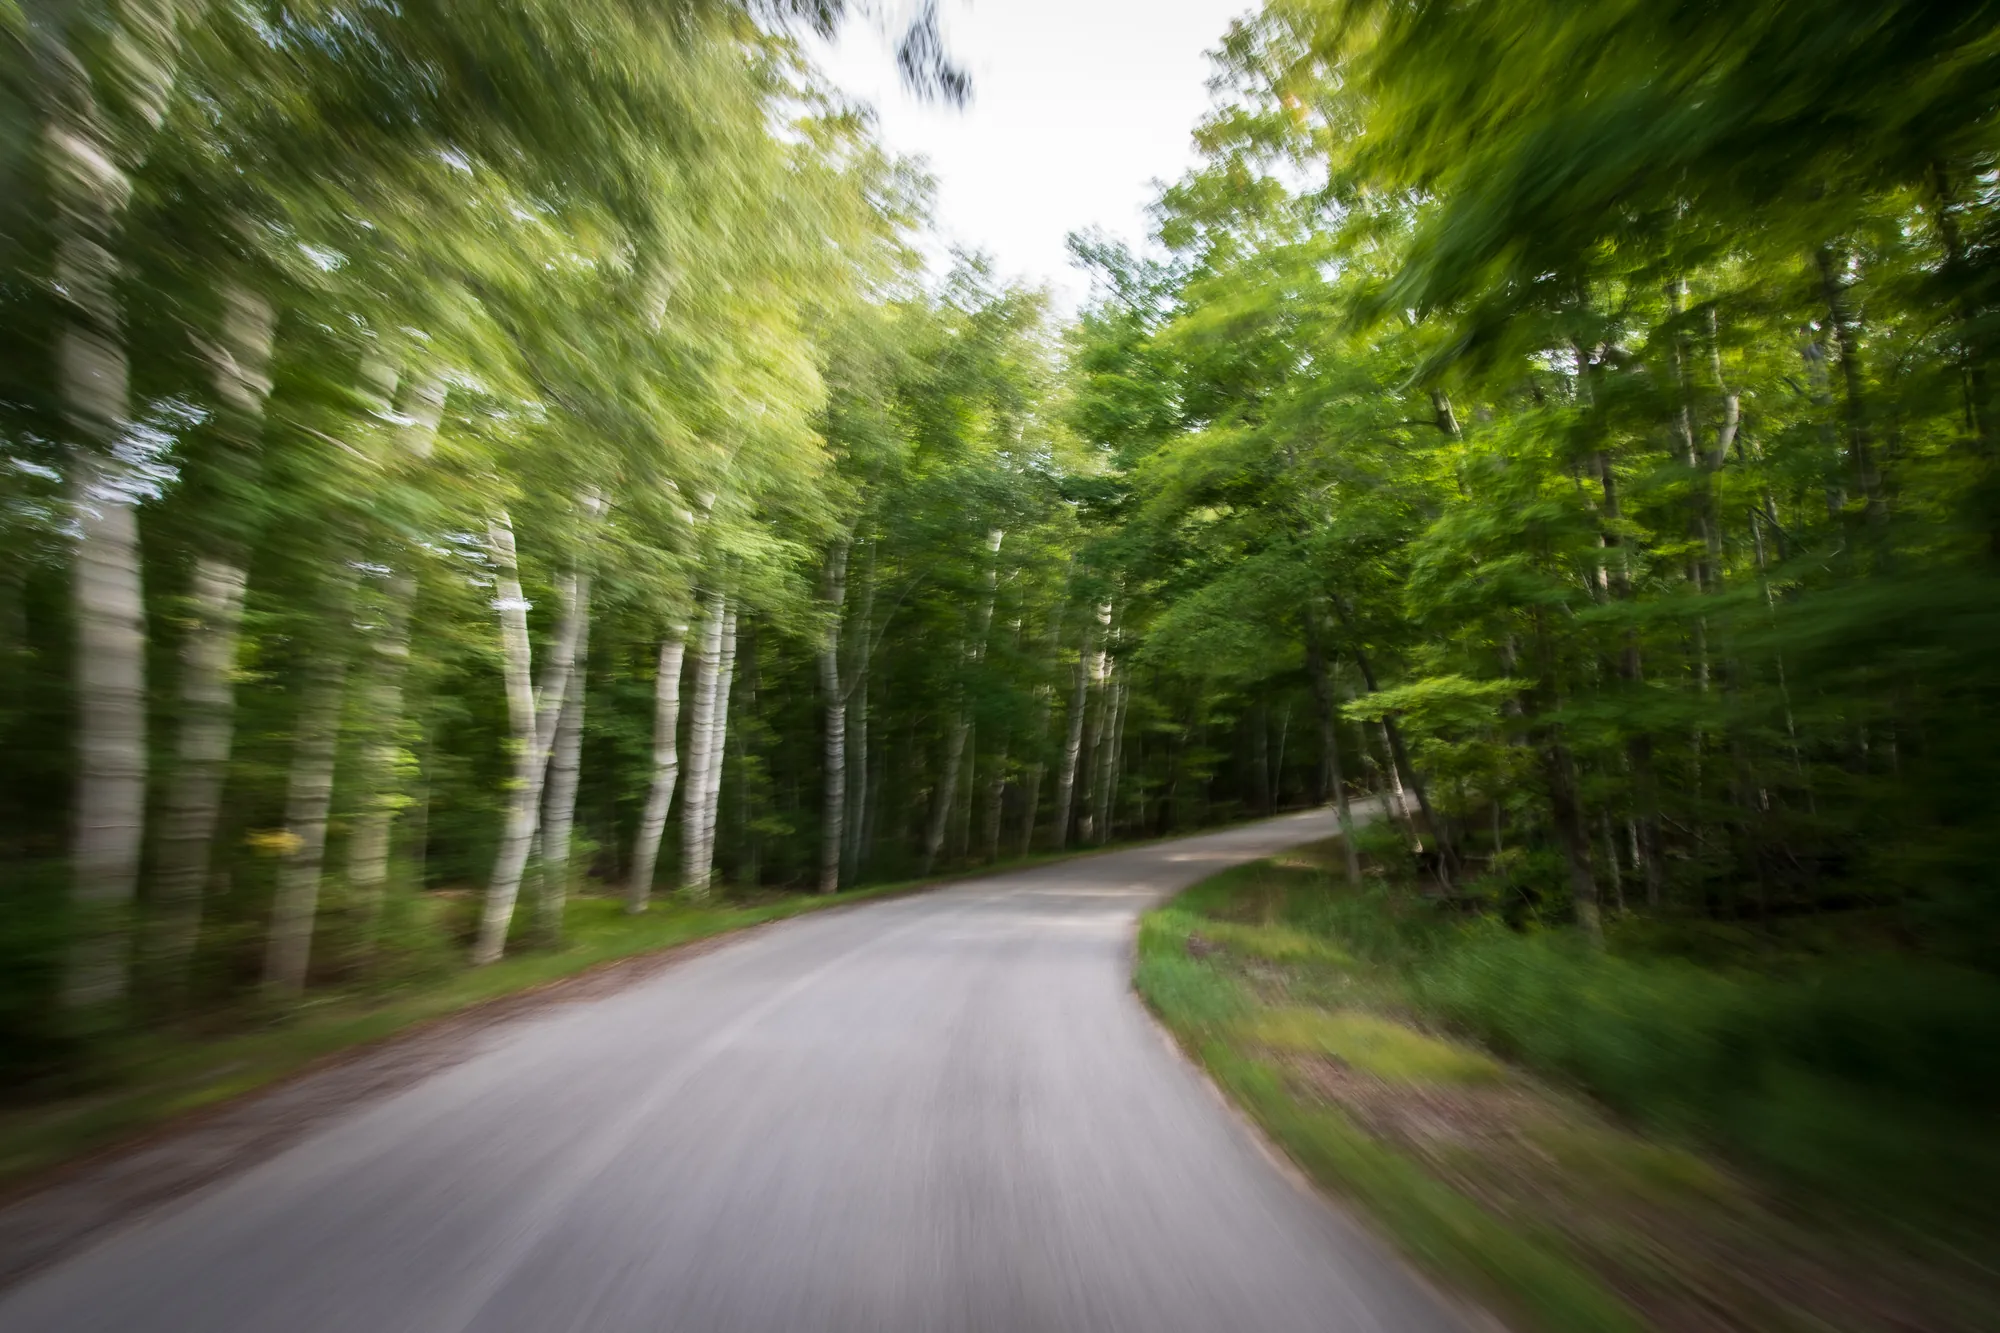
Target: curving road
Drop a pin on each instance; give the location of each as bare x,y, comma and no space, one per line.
935,1113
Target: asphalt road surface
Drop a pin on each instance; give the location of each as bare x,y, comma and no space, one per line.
941,1112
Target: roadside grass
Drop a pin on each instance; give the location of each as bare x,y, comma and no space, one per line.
1338,1016
141,1082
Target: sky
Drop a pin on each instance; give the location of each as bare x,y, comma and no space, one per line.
1078,108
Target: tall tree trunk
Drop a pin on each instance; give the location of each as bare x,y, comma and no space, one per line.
90,163
996,803
1846,340
945,799
971,653
666,769
533,714
860,807
381,720
725,676
416,420
309,793
1031,790
701,747
1404,770
833,809
1565,811
240,367
1260,758
1114,755
565,762
201,760
1079,704
1321,680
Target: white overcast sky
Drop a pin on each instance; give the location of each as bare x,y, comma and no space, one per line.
1078,106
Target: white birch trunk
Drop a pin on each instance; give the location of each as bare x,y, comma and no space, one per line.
701,747
418,416
725,676
947,793
666,770
240,365
565,760
858,808
91,190
1099,718
201,760
833,812
288,949
533,715
1079,704
1113,747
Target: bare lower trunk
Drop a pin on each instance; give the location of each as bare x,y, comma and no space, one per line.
996,800
701,748
833,810
947,792
201,760
381,721
565,760
859,805
1114,749
416,421
1073,745
111,740
90,157
1560,773
666,769
725,677
533,714
309,793
1320,679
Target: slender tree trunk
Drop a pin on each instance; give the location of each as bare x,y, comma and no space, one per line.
201,760
1114,751
725,676
1260,758
1860,447
382,718
565,762
946,797
239,365
701,748
666,769
1031,790
1320,678
859,809
381,798
1073,746
833,811
309,793
996,804
1559,773
533,714
90,162
971,654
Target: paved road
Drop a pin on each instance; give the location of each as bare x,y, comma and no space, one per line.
943,1112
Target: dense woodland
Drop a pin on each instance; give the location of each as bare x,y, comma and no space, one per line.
464,455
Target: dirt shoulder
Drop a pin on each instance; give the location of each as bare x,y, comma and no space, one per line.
1523,1195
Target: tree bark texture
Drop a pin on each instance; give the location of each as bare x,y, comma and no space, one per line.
833,809
309,794
533,714
565,762
701,747
666,770
201,761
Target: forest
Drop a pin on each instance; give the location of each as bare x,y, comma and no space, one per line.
467,462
